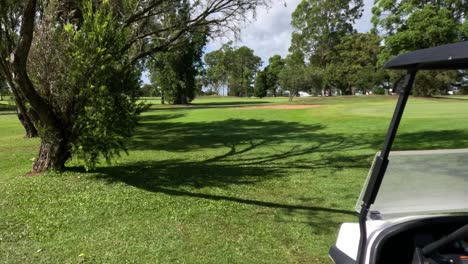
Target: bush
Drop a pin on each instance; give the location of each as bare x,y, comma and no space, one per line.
378,91
463,90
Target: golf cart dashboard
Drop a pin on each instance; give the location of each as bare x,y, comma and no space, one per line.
404,243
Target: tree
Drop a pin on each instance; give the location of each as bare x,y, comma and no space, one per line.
274,68
244,67
149,90
234,68
354,63
319,25
87,106
261,84
296,76
176,71
218,67
411,25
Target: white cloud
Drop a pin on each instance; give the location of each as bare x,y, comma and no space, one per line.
270,33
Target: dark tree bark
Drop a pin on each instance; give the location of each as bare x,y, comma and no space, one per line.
52,155
54,144
181,100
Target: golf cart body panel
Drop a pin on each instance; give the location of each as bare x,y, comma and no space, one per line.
382,235
349,235
397,203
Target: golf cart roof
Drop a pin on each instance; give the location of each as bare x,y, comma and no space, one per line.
451,56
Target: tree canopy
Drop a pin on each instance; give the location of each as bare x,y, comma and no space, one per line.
272,71
410,25
233,68
176,71
318,29
354,64
261,84
319,25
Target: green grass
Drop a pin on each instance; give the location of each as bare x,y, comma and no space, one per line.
213,183
460,97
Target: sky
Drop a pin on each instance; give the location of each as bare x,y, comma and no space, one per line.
270,33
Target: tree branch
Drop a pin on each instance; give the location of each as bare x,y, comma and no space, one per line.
18,61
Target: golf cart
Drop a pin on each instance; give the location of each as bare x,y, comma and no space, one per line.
414,205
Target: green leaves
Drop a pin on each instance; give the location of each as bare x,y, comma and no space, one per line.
234,68
261,84
175,72
410,25
68,28
102,87
318,26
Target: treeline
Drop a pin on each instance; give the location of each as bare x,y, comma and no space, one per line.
327,54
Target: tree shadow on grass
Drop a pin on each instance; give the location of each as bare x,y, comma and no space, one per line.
233,134
207,105
159,118
427,140
231,103
251,151
179,178
242,152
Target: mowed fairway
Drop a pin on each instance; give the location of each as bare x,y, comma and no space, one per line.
216,182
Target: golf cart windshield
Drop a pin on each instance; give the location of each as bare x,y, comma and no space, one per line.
423,182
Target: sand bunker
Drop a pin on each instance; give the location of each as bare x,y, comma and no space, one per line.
281,107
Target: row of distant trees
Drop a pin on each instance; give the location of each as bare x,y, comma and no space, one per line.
327,55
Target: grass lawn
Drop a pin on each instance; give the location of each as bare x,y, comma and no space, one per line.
218,182
460,97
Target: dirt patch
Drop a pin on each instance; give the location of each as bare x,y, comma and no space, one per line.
31,174
281,107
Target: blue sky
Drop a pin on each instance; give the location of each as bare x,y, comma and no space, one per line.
270,32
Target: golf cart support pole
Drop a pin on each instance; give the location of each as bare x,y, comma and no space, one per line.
381,163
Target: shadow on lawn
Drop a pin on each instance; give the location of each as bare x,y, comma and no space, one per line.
231,103
251,151
238,135
425,140
207,105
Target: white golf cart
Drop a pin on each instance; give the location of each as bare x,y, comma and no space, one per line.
414,205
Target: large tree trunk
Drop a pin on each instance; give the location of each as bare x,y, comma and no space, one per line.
52,155
181,100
